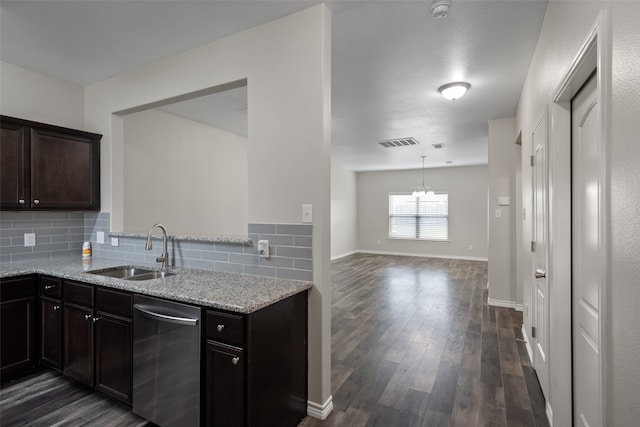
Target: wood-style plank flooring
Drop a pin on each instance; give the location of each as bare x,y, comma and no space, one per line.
414,343
48,399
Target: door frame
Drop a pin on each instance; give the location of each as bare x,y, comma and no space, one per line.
595,54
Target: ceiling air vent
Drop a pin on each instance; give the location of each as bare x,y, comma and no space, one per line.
437,146
400,142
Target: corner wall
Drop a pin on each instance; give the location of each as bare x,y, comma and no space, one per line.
344,211
502,148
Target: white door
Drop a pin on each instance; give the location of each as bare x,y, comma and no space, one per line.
586,255
540,318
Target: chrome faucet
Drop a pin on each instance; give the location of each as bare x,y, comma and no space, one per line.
164,258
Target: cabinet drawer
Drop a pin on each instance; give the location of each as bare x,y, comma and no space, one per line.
114,302
51,287
13,288
225,327
78,293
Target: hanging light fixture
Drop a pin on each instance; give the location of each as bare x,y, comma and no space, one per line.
422,190
453,91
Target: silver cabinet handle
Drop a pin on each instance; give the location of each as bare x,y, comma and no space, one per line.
56,307
95,319
220,328
540,273
235,360
21,201
47,287
36,202
87,316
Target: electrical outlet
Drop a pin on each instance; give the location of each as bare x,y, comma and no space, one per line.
470,247
100,237
114,241
263,248
29,239
498,213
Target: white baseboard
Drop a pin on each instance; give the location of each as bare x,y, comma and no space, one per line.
527,344
467,258
333,258
503,303
320,412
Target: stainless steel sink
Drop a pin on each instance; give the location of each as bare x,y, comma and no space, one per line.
131,273
151,275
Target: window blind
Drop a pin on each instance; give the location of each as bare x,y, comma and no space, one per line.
421,218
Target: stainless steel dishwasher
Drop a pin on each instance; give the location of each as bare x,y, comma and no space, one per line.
166,361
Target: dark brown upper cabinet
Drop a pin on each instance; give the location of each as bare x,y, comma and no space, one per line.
46,167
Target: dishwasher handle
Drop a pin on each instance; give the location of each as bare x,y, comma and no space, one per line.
170,316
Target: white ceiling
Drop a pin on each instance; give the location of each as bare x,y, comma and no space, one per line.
388,59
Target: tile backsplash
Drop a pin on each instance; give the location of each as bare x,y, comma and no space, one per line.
62,233
57,233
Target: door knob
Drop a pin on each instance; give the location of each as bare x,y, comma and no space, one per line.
540,273
235,360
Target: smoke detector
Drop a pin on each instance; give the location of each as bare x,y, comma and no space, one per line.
440,8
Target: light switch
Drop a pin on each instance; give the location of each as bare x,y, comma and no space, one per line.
307,213
498,213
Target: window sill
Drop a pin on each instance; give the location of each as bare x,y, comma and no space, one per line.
407,239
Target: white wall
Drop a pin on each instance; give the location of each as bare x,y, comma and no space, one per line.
34,96
344,210
502,148
565,29
467,188
186,175
287,64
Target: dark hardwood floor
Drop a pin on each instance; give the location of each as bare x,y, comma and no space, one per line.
414,343
49,399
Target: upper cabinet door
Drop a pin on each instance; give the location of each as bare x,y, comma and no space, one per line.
14,162
65,171
47,167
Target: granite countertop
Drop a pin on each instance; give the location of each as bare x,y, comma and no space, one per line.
241,293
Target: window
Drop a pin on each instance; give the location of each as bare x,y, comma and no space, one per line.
421,218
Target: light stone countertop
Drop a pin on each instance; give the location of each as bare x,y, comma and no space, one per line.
241,293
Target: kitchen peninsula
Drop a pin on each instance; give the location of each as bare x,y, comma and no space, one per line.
80,324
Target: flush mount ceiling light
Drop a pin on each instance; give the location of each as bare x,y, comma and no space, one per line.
422,190
440,8
453,91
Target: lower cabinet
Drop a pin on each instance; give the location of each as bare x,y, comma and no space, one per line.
18,349
78,332
257,365
51,333
114,336
225,385
51,322
98,330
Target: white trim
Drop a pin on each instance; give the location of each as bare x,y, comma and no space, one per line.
504,303
320,412
527,344
344,255
595,53
468,258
